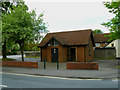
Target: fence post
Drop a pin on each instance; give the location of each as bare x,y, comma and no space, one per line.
57,64
44,63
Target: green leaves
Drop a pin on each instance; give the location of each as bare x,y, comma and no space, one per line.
22,26
114,24
112,6
97,31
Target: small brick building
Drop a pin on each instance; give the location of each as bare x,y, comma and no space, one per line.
70,46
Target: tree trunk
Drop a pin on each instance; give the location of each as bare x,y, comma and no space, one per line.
22,51
4,50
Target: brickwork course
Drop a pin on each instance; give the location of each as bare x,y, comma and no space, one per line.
20,64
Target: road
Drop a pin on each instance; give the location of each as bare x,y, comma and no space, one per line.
10,80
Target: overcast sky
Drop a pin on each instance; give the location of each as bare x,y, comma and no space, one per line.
72,15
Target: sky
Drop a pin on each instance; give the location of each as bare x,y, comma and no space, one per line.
67,15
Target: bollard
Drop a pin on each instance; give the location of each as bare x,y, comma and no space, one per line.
44,63
57,64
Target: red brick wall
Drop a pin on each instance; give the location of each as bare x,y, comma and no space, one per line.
82,65
20,64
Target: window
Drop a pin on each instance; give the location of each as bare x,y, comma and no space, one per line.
112,45
106,43
54,50
97,44
53,43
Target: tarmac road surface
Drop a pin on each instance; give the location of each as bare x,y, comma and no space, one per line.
13,80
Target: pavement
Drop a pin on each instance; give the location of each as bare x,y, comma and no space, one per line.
107,70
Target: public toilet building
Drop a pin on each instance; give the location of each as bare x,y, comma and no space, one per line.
69,46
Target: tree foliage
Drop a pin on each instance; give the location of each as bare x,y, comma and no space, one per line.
97,31
114,24
22,26
31,47
5,6
5,9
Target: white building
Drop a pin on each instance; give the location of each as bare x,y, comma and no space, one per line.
112,44
116,44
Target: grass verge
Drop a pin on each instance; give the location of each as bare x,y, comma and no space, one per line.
32,57
118,66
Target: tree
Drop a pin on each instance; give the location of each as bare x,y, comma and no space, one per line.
114,24
23,26
5,8
97,31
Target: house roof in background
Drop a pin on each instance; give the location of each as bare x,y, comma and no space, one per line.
98,38
79,37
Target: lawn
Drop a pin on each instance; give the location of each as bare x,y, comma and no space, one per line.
32,57
118,66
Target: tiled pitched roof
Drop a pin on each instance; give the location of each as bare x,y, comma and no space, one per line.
101,38
79,37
